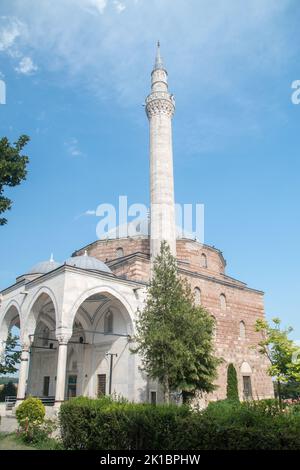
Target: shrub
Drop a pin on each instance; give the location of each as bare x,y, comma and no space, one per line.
232,392
30,416
104,424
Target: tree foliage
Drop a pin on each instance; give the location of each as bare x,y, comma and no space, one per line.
11,356
282,352
232,392
9,390
13,169
174,336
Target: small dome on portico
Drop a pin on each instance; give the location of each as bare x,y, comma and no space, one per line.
44,266
88,262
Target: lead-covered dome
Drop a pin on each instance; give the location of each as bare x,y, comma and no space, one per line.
44,267
88,262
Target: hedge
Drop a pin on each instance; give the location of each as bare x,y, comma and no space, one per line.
103,424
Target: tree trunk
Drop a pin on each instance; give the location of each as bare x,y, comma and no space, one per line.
166,391
279,394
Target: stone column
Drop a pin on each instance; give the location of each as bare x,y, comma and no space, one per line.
61,368
23,371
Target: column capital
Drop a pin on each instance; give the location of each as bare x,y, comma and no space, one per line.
63,335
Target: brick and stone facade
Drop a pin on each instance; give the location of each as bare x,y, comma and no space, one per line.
234,305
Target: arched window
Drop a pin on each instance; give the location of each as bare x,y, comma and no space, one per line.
242,330
108,322
197,296
223,302
203,260
45,335
120,252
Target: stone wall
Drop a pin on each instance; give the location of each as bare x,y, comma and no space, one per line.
242,304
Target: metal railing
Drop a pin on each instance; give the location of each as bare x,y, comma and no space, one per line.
10,401
47,401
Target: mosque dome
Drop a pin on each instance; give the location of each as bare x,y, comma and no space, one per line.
88,262
44,267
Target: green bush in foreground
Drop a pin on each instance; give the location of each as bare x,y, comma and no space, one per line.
30,410
31,419
104,424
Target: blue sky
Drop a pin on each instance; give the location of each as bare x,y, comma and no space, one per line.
77,73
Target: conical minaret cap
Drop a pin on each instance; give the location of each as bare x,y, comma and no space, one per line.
158,60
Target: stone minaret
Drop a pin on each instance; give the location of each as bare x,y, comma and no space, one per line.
160,107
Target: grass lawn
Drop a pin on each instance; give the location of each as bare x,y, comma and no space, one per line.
13,442
10,442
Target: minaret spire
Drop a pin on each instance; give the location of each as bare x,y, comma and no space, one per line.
160,108
158,60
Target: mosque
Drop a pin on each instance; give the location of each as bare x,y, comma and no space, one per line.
77,318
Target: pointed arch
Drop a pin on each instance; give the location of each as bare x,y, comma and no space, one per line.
109,322
223,301
197,295
111,293
203,260
35,306
242,328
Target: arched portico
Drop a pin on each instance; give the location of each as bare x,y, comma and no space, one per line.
85,366
11,317
40,339
9,323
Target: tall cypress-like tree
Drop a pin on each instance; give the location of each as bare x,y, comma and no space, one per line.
174,336
232,384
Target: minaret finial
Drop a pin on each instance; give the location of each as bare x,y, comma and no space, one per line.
158,60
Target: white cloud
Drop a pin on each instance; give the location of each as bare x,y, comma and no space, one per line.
73,148
10,30
93,6
212,48
119,6
26,66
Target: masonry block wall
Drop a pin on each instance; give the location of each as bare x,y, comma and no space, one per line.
234,305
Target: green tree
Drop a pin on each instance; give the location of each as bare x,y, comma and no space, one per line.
174,336
8,389
13,169
281,351
232,392
11,356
